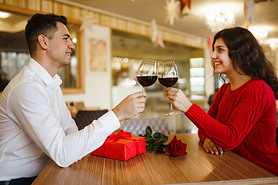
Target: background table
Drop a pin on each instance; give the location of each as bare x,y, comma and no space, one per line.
153,168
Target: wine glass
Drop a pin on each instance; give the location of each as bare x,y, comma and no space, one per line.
147,73
168,76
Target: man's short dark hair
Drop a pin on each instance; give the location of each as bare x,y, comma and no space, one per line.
45,24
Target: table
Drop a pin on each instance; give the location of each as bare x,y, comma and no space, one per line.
153,168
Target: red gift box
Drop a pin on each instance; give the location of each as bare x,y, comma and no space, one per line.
122,146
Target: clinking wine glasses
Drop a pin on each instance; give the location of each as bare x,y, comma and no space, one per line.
168,76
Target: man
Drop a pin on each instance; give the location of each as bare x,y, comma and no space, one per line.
35,124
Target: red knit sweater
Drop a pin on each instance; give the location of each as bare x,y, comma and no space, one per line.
242,120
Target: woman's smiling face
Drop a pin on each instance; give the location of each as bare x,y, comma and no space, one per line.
220,58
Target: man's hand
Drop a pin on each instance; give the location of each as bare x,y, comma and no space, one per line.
130,106
211,147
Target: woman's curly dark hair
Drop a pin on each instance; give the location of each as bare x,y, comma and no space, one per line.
248,56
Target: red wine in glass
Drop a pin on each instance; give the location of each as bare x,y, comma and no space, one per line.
147,73
168,81
146,81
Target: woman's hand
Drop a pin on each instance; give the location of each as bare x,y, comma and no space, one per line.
178,99
211,147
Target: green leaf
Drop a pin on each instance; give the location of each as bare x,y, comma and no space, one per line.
157,135
151,147
159,149
149,138
165,138
149,130
161,136
156,141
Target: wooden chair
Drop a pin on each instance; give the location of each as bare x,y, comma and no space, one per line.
85,117
74,107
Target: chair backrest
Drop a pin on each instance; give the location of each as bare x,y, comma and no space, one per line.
138,126
85,117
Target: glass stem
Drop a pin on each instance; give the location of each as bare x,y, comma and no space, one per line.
171,107
142,115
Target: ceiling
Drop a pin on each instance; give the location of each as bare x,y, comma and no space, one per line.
193,22
143,11
128,45
123,44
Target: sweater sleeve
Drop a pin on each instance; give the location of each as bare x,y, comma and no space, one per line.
201,135
245,114
214,106
212,112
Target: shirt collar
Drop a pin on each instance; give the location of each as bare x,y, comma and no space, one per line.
54,82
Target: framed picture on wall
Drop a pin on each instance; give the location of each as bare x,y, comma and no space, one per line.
98,54
98,50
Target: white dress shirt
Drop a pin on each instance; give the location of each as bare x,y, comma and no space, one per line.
35,125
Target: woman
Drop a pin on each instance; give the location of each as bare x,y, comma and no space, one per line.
242,117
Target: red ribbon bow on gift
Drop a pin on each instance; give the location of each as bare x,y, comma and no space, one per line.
121,134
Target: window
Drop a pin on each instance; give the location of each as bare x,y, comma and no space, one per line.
197,78
14,53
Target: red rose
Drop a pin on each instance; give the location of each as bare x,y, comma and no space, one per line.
176,147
